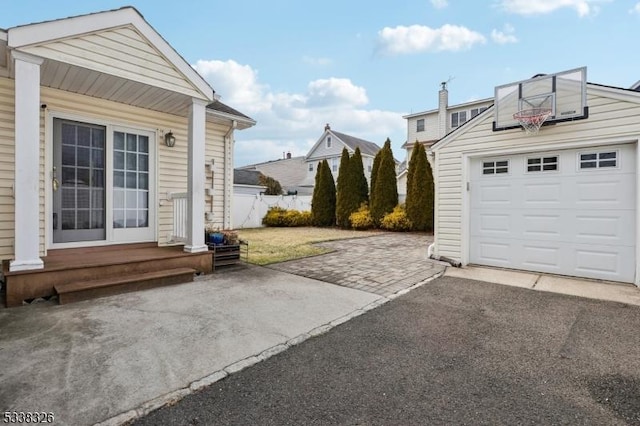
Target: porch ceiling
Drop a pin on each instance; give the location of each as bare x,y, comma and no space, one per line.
72,78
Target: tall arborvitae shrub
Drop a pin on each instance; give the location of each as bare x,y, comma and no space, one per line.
361,187
410,171
344,191
420,190
385,193
323,202
374,175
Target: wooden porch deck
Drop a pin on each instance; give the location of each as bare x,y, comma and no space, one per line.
84,273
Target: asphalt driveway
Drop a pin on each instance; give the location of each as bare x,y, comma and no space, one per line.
454,351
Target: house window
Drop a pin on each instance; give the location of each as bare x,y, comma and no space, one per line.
599,160
476,111
420,125
542,164
334,164
495,167
458,118
329,142
310,167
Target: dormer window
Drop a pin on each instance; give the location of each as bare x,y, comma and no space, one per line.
328,141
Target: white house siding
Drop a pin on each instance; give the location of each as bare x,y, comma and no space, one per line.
215,149
430,128
7,168
609,118
171,162
120,51
321,151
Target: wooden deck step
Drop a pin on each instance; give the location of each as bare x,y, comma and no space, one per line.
85,290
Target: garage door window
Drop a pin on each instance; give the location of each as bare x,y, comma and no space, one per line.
495,167
599,160
542,164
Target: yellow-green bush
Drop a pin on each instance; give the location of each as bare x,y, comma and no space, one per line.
361,218
297,218
277,216
397,220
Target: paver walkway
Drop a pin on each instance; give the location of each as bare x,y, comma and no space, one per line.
383,264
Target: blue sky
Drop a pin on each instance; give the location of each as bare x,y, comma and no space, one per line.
361,65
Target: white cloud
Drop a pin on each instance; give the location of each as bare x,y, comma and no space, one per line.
316,61
635,9
505,36
418,38
292,122
240,83
439,4
336,91
539,7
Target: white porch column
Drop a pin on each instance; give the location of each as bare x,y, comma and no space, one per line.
27,161
196,178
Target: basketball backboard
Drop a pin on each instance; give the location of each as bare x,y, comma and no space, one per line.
564,93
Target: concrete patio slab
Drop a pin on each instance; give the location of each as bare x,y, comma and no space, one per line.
592,289
90,361
494,275
615,292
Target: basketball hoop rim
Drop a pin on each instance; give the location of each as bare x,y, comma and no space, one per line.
527,114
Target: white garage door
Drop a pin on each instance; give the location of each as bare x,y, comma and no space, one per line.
567,212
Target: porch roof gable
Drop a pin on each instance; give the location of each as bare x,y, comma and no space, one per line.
118,43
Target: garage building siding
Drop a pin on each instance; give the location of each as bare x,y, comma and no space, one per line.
613,115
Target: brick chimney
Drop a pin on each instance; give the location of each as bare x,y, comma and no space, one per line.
443,104
289,155
327,127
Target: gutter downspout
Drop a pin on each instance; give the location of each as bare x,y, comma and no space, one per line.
228,142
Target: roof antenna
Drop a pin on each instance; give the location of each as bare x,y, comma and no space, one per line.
444,83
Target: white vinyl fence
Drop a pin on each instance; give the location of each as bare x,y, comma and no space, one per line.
248,210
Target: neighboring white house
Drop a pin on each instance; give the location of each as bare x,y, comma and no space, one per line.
563,200
103,126
427,127
329,147
297,174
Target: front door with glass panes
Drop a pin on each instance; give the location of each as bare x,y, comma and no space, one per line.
132,217
102,183
78,182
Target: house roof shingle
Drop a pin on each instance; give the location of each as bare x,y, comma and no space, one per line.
366,147
220,107
246,177
290,172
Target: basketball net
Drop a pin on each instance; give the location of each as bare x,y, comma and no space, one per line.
532,119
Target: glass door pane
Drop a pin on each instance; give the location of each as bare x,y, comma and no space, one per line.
130,180
79,182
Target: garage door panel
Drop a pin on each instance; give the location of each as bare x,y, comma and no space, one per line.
493,223
606,227
541,225
496,195
598,192
539,255
571,221
542,194
492,252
